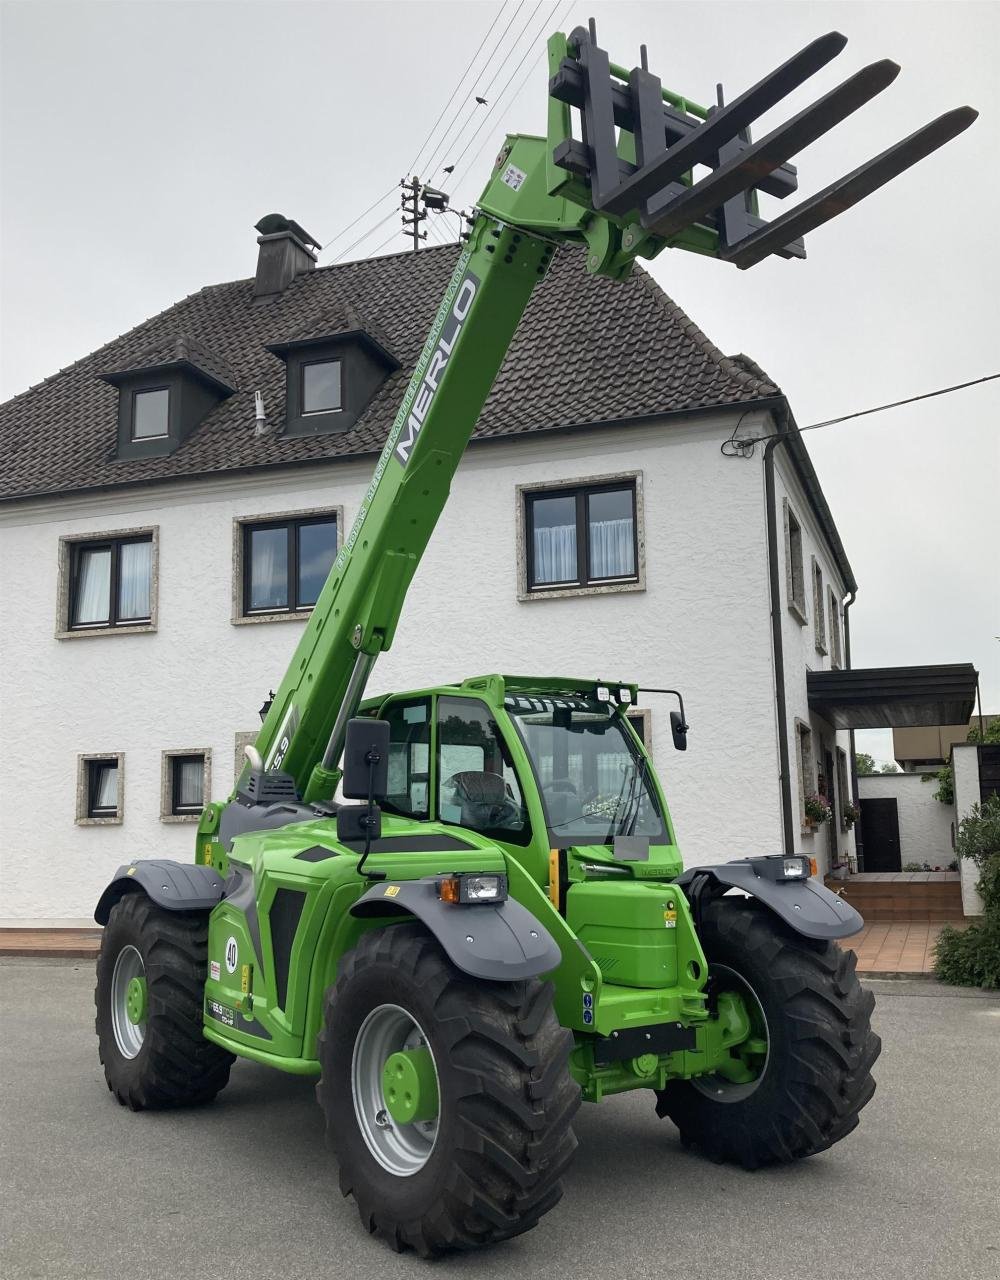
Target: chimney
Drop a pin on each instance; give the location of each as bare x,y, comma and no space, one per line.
285,253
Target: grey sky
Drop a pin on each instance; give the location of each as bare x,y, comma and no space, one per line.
141,141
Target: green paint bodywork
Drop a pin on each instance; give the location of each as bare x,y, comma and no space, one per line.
630,954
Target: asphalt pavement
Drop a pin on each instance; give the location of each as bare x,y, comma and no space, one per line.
245,1187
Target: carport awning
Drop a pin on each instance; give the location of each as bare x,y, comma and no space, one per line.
894,697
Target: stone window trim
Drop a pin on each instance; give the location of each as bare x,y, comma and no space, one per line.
806,765
245,738
794,568
836,630
67,543
642,723
239,524
83,763
819,606
167,782
521,493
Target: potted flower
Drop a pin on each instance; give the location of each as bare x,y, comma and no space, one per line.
852,812
817,810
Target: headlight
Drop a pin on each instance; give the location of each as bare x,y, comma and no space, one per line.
776,866
468,890
795,868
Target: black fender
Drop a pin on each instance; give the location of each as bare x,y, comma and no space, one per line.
807,905
502,942
176,886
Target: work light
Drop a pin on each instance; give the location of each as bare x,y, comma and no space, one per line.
468,890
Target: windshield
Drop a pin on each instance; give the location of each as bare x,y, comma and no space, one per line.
593,780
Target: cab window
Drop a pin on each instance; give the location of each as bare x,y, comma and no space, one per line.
477,784
409,757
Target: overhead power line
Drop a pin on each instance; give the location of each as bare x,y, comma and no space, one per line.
364,236
735,447
499,97
413,163
457,126
343,231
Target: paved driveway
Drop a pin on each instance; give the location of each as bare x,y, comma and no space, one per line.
244,1188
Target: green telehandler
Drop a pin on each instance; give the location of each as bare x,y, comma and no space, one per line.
503,924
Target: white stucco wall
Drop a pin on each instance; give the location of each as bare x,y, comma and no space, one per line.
701,625
828,843
965,762
925,824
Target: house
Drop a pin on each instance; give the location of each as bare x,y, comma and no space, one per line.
170,504
910,819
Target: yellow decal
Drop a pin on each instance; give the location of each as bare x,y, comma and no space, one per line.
670,918
554,877
245,979
206,854
131,871
391,890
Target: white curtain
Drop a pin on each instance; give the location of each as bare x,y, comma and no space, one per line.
555,553
106,787
190,782
93,588
269,568
612,554
135,566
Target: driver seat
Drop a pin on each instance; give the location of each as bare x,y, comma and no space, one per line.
480,794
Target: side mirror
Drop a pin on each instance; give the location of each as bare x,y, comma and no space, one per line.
366,759
679,731
357,822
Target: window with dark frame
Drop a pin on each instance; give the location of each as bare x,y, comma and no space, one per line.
110,582
796,575
836,641
102,788
187,785
286,563
819,608
581,536
150,413
321,389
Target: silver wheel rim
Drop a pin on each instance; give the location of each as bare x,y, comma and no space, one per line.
401,1149
128,1034
717,1087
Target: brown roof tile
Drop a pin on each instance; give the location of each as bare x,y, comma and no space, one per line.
588,350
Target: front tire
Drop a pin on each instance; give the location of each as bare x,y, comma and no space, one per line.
488,1164
814,1018
151,972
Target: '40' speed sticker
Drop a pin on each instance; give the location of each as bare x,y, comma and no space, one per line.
232,955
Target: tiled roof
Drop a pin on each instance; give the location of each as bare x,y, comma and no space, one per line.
180,350
588,350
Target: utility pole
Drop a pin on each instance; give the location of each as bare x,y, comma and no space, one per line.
410,201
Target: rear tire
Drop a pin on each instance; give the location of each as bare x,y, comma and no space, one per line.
164,1060
489,1165
820,1046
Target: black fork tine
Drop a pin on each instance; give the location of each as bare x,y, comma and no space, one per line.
722,125
750,165
841,195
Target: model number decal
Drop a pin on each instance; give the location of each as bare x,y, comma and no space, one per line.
222,1013
283,738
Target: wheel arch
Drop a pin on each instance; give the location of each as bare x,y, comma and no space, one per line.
175,886
807,906
501,943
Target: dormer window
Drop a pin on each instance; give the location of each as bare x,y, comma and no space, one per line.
334,369
151,414
321,387
166,393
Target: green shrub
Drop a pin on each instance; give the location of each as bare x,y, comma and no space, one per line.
971,957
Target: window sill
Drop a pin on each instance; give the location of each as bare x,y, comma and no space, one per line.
821,648
280,615
798,614
596,589
180,817
88,633
100,822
